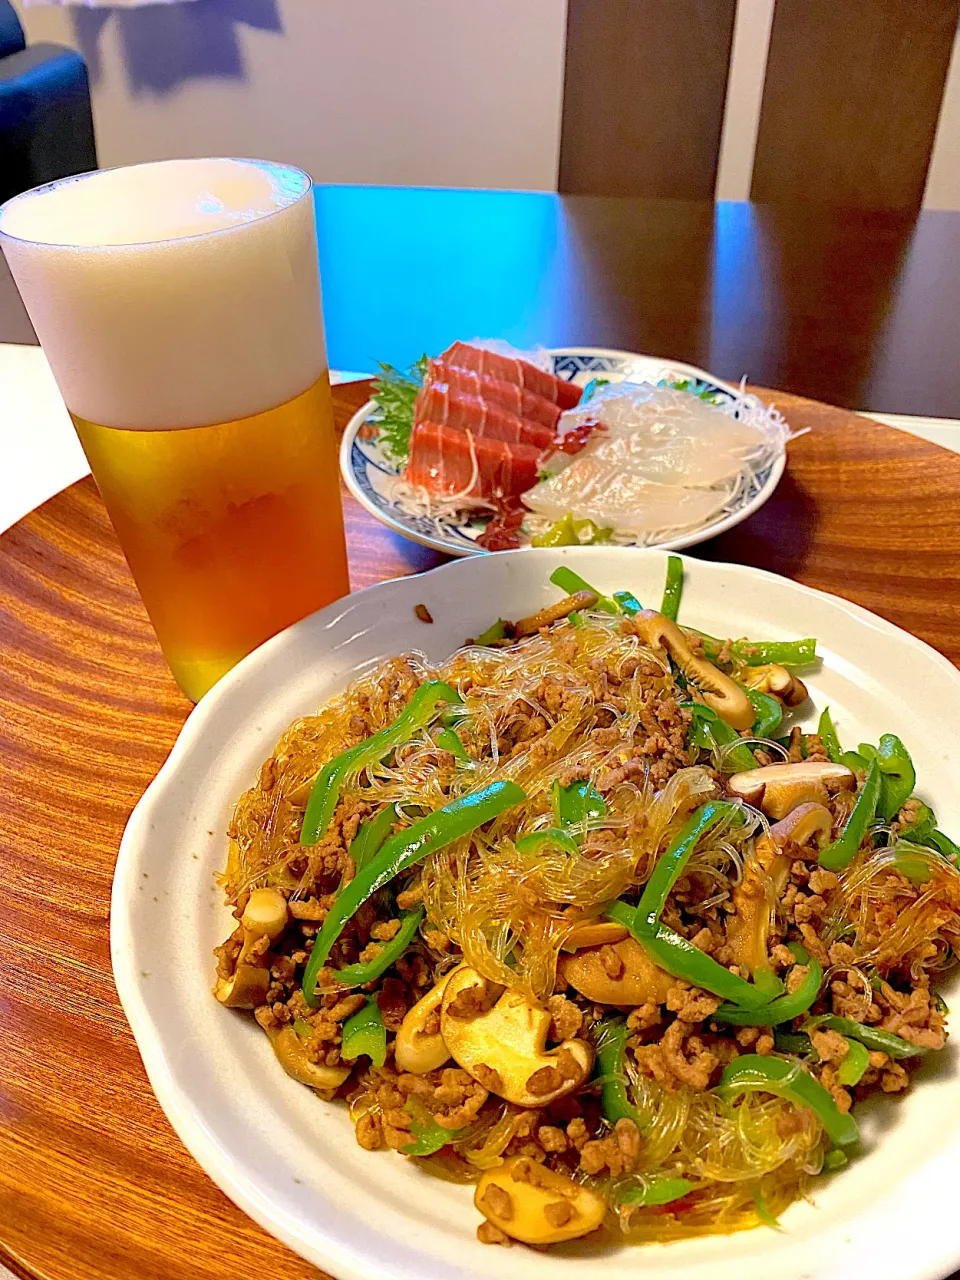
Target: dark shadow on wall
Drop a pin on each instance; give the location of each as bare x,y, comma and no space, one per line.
165,45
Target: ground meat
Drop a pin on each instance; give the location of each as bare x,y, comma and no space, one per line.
487,1233
680,1058
795,746
617,1153
423,613
566,1019
496,1201
385,930
645,1017
813,944
558,1212
552,1139
692,1005
830,1045
828,1078
410,897
369,1131
822,881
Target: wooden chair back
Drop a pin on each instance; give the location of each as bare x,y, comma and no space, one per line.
851,99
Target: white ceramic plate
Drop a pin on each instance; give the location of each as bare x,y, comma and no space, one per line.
290,1160
368,471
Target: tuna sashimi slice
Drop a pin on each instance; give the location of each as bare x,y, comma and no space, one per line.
519,400
439,403
509,369
443,461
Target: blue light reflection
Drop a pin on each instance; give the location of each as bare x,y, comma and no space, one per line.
413,270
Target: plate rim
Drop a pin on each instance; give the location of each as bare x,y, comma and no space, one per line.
182,1111
679,543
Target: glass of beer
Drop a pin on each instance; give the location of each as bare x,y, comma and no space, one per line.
179,306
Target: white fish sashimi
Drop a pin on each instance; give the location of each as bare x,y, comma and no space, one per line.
627,503
666,461
669,436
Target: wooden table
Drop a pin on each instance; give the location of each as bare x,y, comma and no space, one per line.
94,1185
854,307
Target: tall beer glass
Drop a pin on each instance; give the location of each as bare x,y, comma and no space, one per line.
179,306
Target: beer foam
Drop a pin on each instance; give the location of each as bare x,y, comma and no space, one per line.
174,294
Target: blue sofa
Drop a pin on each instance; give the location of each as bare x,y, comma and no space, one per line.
46,128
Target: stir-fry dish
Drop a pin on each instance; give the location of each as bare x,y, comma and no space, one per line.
577,917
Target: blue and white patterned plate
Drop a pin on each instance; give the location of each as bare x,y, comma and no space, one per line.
369,473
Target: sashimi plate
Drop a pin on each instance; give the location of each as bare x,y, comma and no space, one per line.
371,475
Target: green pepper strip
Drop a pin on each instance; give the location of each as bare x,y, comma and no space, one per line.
536,840
628,602
708,731
364,1033
371,835
828,736
577,803
796,1042
853,760
657,1191
765,980
402,851
449,740
682,959
364,971
943,844
496,631
899,776
562,534
429,1136
670,864
757,653
838,855
923,825
571,583
851,1070
775,1075
614,1100
769,713
784,1008
881,1041
673,588
325,793
599,534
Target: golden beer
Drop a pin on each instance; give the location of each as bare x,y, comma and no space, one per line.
179,306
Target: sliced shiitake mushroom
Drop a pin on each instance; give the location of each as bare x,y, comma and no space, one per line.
292,1055
504,1047
778,788
415,1049
776,680
537,1205
615,973
264,916
719,692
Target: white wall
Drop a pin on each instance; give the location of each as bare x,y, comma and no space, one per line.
405,92
411,92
